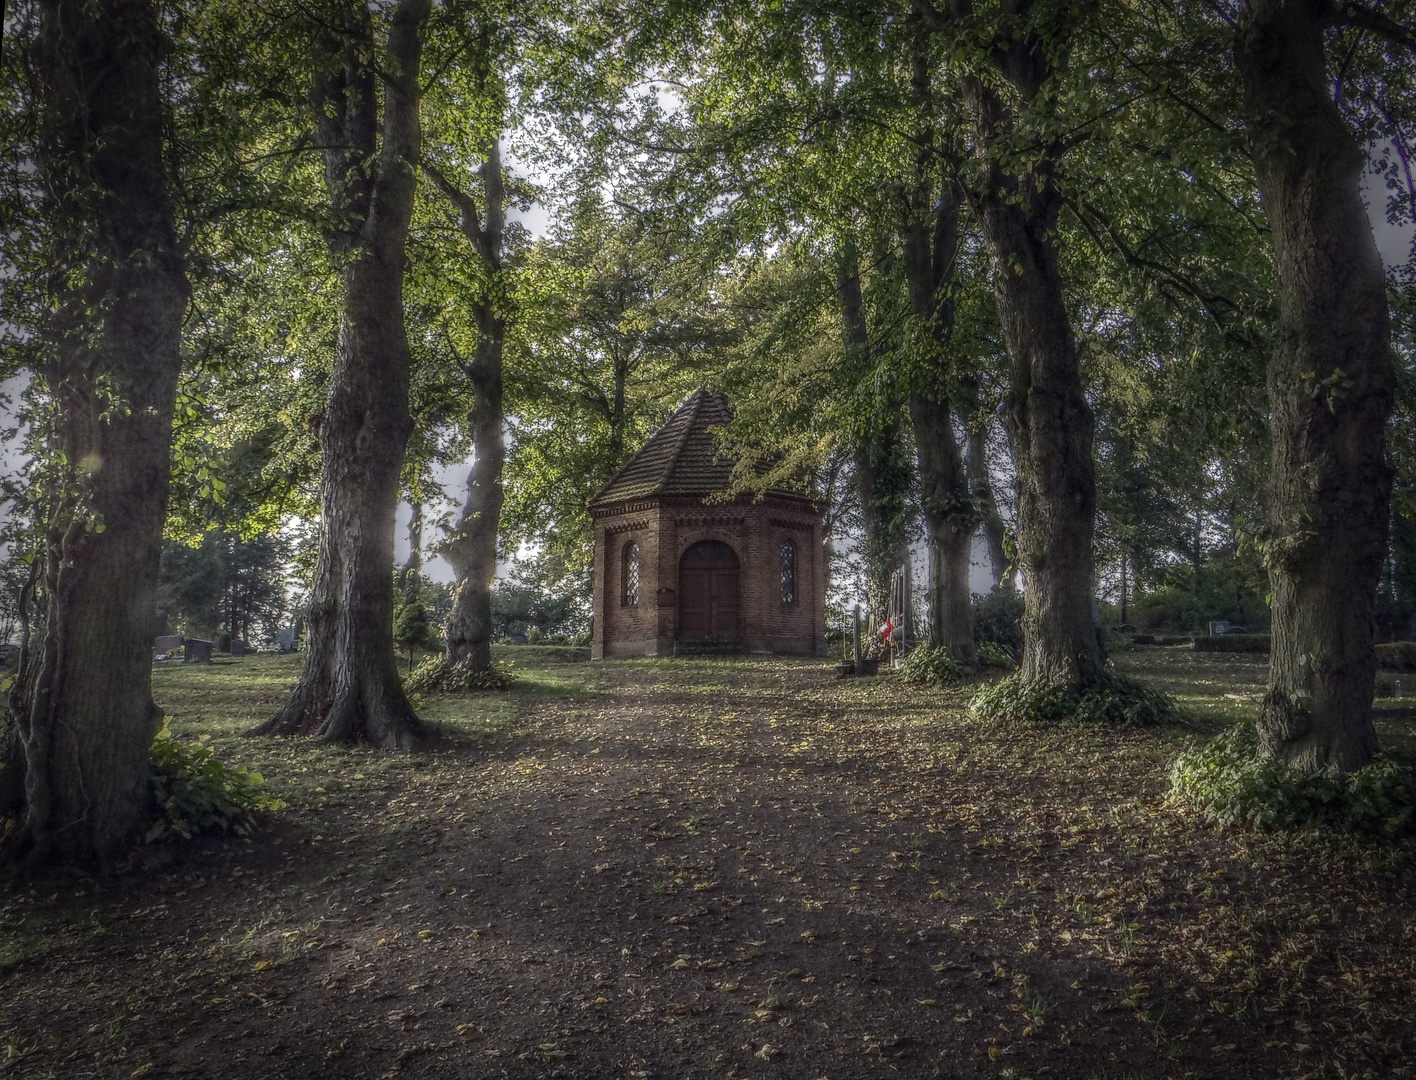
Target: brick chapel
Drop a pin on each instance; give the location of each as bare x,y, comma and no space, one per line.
677,571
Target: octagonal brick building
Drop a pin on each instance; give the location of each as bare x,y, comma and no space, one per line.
678,571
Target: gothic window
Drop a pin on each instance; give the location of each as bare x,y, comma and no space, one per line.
788,565
631,575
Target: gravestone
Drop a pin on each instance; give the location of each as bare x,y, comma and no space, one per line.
238,647
285,638
197,651
167,643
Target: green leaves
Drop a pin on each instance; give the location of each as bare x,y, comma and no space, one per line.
1229,785
195,792
932,667
1114,699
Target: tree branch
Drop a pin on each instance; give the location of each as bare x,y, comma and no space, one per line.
1374,22
470,222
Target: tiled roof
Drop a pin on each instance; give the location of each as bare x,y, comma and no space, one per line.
680,458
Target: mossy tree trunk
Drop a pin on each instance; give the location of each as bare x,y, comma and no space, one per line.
1330,390
82,710
986,503
930,232
349,690
1050,424
471,544
882,476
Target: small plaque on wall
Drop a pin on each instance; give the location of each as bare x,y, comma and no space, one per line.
666,597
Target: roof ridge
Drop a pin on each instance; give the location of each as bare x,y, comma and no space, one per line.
699,397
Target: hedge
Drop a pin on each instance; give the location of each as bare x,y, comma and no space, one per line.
1233,643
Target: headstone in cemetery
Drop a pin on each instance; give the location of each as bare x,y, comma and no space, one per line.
285,639
197,651
238,647
1218,627
165,644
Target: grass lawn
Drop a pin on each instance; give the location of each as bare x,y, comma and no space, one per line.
719,868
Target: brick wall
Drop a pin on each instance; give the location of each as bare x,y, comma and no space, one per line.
665,528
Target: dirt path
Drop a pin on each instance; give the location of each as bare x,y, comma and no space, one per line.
709,870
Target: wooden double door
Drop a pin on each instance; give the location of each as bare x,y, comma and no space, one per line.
708,592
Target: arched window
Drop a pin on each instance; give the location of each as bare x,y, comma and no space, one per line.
788,566
630,575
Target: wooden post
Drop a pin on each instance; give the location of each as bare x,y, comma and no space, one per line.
855,637
907,614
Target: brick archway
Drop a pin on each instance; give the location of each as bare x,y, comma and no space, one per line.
709,590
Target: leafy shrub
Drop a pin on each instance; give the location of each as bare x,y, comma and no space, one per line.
1113,699
1112,640
1397,655
991,654
997,619
1233,643
932,667
1227,784
196,792
436,675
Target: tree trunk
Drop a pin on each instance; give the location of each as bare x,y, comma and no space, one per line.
950,518
1049,422
991,522
881,473
1330,389
82,706
471,545
931,242
412,570
349,690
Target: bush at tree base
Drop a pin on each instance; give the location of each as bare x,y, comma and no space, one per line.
195,792
1227,784
1113,699
993,655
932,667
436,675
997,618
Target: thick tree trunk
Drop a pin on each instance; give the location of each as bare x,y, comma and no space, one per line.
82,707
881,473
950,518
471,545
1049,421
986,503
931,242
1330,389
349,690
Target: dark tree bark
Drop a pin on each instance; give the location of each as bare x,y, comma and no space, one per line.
471,545
349,690
881,472
82,709
1330,390
1050,424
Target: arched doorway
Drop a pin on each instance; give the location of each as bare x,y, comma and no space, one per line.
708,592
